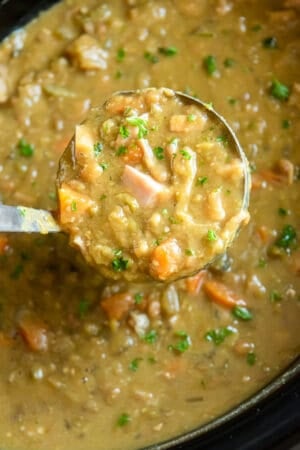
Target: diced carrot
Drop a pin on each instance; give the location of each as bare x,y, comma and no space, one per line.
267,176
165,260
221,294
134,155
264,234
34,332
3,244
72,204
174,367
118,305
193,284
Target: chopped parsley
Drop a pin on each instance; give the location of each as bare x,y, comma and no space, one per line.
270,42
189,252
211,235
22,211
104,166
25,149
98,147
121,150
138,298
231,100
287,237
168,51
119,264
282,212
251,358
262,262
279,90
124,132
83,307
17,272
151,337
118,74
210,64
191,117
218,335
201,181
183,343
123,420
151,57
140,123
73,206
121,54
134,364
159,152
229,62
186,155
275,296
241,312
256,27
222,139
286,124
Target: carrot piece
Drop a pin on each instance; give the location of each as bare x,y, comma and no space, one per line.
34,332
175,367
117,306
264,234
72,203
3,244
221,294
193,284
165,259
134,155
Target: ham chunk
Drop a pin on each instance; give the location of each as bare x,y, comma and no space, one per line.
145,189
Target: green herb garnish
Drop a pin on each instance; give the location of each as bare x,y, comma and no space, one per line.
229,62
151,337
83,308
186,155
140,123
218,335
124,132
183,344
211,235
17,272
159,152
210,64
279,90
134,364
123,420
275,296
241,312
286,124
191,117
168,51
282,212
119,264
138,298
287,237
151,57
104,166
121,54
222,139
189,252
98,147
270,42
201,181
121,150
25,149
73,206
251,358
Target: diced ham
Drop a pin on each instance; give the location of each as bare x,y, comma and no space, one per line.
144,188
184,173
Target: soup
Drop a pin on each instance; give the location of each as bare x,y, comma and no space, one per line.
87,363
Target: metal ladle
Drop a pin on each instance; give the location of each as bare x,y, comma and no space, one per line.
30,220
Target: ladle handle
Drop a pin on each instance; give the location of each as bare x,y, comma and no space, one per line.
20,219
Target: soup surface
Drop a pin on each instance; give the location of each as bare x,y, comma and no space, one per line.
91,364
128,186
